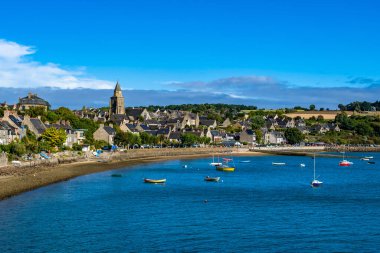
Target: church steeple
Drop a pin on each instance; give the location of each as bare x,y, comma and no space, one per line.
117,101
117,87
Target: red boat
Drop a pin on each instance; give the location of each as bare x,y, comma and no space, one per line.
345,162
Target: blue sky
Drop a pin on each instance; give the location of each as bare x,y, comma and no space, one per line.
251,47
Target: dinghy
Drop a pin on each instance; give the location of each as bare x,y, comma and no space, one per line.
155,181
212,179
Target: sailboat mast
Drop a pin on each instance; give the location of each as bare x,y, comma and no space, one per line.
314,166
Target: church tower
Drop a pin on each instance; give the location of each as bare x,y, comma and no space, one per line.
117,101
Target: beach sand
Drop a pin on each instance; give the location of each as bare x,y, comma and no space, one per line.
27,179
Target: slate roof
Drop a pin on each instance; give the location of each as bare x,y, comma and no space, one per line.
37,123
207,122
33,99
134,112
67,128
4,125
118,117
15,120
175,135
109,130
163,131
215,133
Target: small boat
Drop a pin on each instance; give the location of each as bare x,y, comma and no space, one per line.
278,164
215,163
315,183
344,162
245,161
155,181
371,162
364,159
184,166
116,175
212,179
225,166
369,157
302,165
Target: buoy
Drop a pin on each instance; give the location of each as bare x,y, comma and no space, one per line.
205,201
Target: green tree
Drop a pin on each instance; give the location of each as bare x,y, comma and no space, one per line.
259,136
17,148
257,122
54,137
342,107
188,139
364,129
312,107
293,135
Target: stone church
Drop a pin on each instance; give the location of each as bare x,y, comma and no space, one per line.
117,101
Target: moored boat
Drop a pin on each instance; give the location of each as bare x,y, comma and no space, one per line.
225,166
155,181
212,179
245,161
344,162
116,175
302,165
315,183
278,164
215,163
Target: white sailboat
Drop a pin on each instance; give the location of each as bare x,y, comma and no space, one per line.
215,163
315,183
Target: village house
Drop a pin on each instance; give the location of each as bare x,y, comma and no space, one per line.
34,124
226,123
32,100
247,136
137,114
7,133
175,136
105,133
216,136
209,123
274,137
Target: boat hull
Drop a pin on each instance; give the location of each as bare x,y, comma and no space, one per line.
154,181
225,169
316,183
278,164
212,179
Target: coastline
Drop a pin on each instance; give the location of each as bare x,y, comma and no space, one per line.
29,178
35,178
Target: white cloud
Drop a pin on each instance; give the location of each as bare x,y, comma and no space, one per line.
19,71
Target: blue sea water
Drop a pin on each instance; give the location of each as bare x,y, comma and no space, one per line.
257,208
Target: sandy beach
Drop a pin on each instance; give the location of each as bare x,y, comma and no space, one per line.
26,179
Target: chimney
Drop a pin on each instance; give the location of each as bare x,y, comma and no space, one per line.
111,125
30,95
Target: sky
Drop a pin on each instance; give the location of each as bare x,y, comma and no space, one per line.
269,53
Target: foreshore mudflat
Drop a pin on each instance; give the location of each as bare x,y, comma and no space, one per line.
26,179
